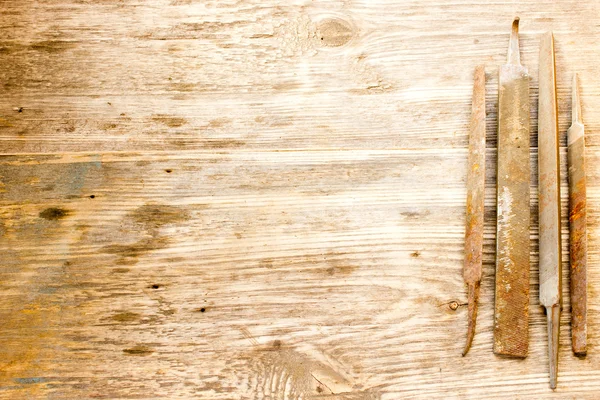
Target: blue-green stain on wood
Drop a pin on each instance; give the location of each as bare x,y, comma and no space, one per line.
76,174
49,182
48,290
29,381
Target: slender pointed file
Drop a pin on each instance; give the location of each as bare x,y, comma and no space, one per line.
549,200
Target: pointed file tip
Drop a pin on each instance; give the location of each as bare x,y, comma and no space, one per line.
473,298
470,336
514,34
513,47
553,314
576,103
548,40
515,28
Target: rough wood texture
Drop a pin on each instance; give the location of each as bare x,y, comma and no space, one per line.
265,200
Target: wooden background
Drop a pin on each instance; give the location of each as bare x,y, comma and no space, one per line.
256,199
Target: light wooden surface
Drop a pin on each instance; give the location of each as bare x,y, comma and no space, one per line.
278,198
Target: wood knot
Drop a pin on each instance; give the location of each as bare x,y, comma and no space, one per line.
454,305
334,32
54,213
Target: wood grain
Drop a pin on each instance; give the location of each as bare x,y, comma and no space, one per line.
265,200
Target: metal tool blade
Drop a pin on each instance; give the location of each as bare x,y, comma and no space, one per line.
577,225
549,200
475,199
511,316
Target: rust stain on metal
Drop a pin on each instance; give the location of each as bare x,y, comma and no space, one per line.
511,316
475,200
550,259
577,226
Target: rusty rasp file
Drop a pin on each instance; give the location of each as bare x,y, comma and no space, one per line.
475,198
549,200
511,313
578,229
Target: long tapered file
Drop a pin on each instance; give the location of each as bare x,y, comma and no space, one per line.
511,313
549,200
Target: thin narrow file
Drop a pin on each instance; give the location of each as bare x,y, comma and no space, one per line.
475,198
577,225
549,201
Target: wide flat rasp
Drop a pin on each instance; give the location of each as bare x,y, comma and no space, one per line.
475,198
549,200
511,314
577,226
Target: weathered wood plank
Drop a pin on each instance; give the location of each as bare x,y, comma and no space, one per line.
298,265
265,200
136,76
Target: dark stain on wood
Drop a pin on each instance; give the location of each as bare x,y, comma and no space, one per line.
126,261
139,350
266,263
126,316
51,46
145,221
54,213
182,143
109,126
185,87
341,270
157,215
136,249
169,120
